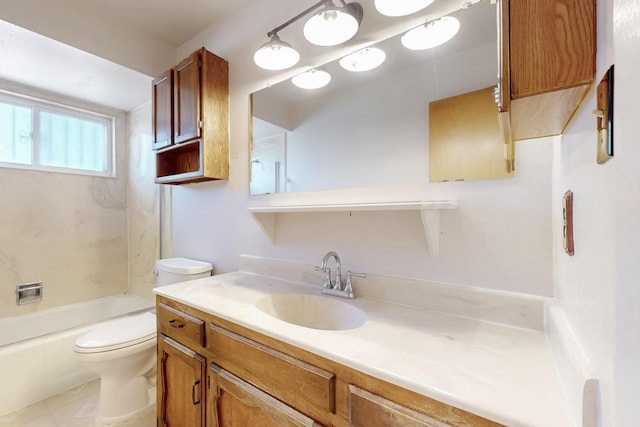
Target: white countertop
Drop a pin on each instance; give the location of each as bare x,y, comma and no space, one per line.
499,372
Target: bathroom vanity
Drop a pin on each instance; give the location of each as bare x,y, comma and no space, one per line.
258,380
222,357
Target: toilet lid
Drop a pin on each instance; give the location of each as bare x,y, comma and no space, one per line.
118,333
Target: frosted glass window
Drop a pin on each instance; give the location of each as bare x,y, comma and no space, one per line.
38,135
15,134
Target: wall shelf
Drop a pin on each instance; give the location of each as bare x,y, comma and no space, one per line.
429,211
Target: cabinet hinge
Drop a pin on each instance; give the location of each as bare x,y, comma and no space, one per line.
200,124
199,63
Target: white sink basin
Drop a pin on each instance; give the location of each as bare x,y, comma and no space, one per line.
312,311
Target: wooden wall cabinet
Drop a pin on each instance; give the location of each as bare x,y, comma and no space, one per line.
255,380
547,62
191,120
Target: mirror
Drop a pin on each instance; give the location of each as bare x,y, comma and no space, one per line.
368,128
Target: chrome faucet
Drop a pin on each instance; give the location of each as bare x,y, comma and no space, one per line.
334,287
328,283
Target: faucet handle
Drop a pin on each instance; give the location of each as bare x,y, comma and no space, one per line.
327,276
347,286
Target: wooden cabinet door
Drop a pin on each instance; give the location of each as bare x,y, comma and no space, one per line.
181,385
552,45
236,403
187,104
465,139
162,100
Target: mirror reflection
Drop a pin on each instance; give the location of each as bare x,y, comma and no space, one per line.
368,128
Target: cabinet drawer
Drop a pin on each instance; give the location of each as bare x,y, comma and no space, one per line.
236,402
370,410
180,326
293,381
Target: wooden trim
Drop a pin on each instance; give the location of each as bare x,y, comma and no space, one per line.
504,78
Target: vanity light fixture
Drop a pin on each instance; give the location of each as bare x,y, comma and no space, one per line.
400,7
312,79
276,55
333,25
363,60
330,26
432,34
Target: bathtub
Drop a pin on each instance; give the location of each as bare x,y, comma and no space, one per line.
36,350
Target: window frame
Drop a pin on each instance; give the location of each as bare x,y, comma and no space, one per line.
37,105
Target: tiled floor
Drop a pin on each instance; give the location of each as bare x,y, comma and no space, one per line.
74,408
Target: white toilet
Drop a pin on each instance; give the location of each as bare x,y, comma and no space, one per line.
123,351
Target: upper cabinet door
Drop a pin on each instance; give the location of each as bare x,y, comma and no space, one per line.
187,116
552,45
162,98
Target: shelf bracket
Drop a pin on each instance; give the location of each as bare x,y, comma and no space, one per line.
431,223
267,223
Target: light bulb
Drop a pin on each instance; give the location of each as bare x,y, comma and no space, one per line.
364,59
331,26
276,55
312,79
431,34
401,7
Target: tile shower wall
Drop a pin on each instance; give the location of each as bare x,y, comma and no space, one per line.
143,199
69,231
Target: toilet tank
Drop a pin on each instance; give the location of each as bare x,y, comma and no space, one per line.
174,270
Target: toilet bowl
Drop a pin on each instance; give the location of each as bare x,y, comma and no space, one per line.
123,351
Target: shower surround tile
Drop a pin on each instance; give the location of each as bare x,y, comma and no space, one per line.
143,196
66,230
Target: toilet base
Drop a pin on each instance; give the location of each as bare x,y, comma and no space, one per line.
141,416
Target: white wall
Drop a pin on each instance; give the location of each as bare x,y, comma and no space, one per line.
499,238
598,287
75,23
626,39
